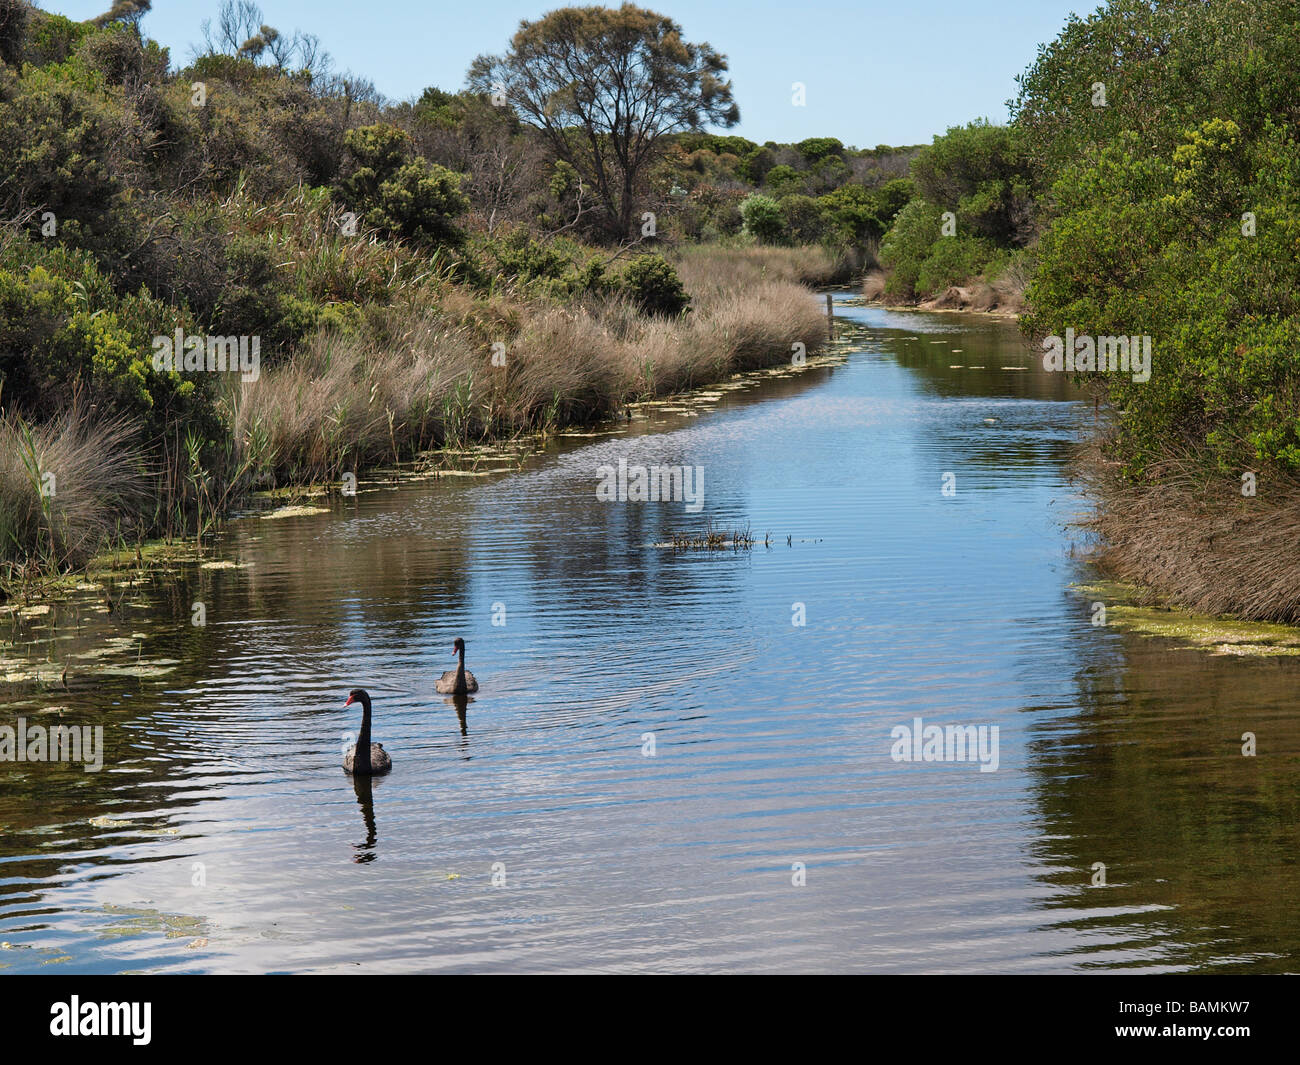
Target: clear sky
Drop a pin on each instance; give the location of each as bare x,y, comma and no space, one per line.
875,71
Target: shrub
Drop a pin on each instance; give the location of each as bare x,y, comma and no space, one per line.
762,218
420,201
801,219
783,180
14,15
415,199
653,285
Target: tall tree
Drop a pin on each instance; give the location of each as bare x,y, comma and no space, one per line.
605,86
128,11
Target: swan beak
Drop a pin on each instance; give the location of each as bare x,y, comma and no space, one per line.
349,702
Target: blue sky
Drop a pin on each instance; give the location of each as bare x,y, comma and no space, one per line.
875,71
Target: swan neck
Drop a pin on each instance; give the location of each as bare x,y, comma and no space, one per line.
363,737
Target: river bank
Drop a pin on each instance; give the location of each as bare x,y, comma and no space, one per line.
1201,548
999,299
87,619
471,370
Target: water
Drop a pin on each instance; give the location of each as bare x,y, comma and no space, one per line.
223,835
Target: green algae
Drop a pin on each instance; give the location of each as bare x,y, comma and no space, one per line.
1128,608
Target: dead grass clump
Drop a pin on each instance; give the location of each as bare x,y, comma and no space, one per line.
344,402
873,285
562,368
68,487
759,327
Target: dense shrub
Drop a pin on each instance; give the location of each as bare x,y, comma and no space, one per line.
1175,217
653,285
762,217
398,195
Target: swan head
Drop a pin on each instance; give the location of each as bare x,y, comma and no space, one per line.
459,646
358,695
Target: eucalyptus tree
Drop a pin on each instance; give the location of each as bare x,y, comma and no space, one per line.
605,86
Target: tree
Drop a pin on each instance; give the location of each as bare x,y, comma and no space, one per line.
979,171
241,32
1172,215
129,12
605,87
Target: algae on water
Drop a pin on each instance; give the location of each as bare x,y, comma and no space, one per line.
1126,611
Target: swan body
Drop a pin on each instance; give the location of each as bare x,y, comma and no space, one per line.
364,758
457,681
379,760
447,683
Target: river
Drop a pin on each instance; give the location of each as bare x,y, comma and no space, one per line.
678,760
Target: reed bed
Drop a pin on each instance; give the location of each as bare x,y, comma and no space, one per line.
422,379
709,270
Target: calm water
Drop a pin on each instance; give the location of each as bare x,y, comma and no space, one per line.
223,835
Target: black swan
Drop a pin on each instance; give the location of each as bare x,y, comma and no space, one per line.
458,682
364,757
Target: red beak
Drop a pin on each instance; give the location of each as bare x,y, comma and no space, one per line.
349,702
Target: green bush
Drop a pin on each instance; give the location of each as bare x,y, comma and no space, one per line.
801,218
783,180
651,282
1174,214
762,218
404,197
63,328
14,18
420,201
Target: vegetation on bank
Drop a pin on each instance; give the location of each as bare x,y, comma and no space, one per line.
1148,185
1174,212
969,223
415,274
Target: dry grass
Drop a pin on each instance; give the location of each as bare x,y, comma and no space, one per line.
67,488
709,270
426,379
1197,542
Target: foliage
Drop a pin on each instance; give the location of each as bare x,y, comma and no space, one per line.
762,216
400,196
1181,225
653,285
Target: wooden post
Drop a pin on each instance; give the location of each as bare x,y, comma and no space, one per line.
830,317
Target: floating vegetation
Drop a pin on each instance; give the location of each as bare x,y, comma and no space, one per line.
714,539
1127,612
298,511
133,921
